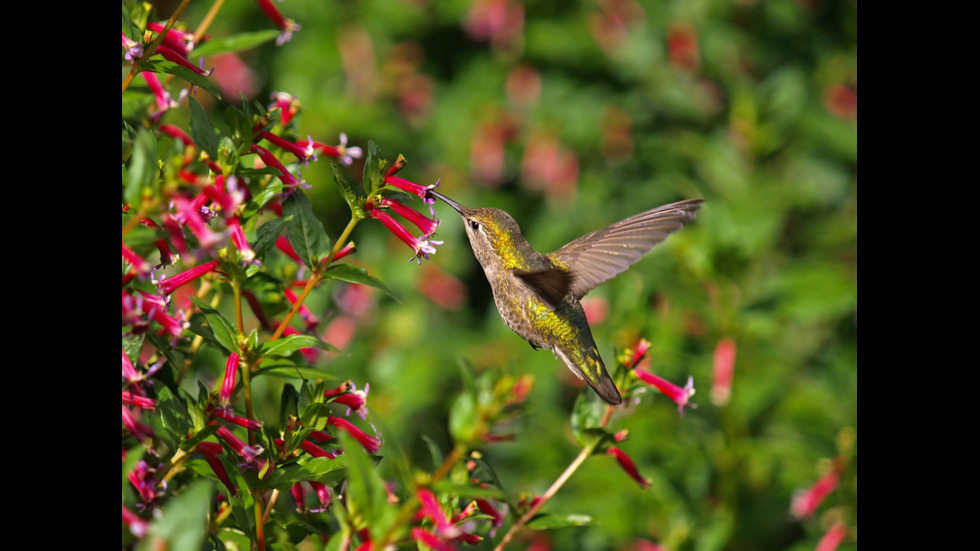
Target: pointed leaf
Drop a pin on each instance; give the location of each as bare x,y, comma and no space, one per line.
142,170
236,43
347,191
374,165
320,469
356,274
285,346
294,372
224,330
267,234
183,525
202,131
549,522
306,233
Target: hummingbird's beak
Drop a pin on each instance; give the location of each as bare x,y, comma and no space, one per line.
456,206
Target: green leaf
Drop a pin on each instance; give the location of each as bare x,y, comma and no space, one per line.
586,416
374,165
288,404
284,346
267,234
321,469
174,416
183,525
202,131
456,489
306,233
171,68
235,43
294,372
434,451
545,521
367,500
133,457
356,274
142,170
272,190
347,191
224,331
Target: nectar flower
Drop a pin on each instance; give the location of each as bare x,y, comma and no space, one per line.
309,318
348,395
641,351
210,451
228,385
805,503
323,494
371,444
140,265
429,539
167,285
287,104
303,149
724,369
181,42
344,154
140,430
228,415
138,401
249,453
674,392
432,510
189,213
316,451
426,225
137,526
421,191
163,98
627,464
239,241
832,538
173,55
134,50
287,177
288,26
423,248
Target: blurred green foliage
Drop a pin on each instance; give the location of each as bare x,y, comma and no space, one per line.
571,116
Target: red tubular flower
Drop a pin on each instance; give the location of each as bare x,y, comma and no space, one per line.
347,249
432,509
163,98
155,308
674,392
173,55
140,265
805,503
487,508
228,385
138,401
303,149
348,395
344,154
134,50
210,451
144,480
287,104
181,42
316,451
129,372
627,464
249,453
239,241
426,225
137,526
413,188
371,444
724,369
167,285
191,216
309,318
323,494
269,159
282,243
832,538
425,537
228,415
136,428
288,26
423,248
177,133
229,195
641,351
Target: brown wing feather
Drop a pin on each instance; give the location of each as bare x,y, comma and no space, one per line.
602,254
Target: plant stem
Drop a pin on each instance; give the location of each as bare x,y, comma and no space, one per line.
153,45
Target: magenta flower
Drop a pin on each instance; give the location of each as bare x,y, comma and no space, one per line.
347,394
487,508
229,195
210,451
173,55
137,400
303,149
249,453
129,372
309,318
344,154
176,133
627,464
269,159
142,432
167,285
137,526
432,510
228,385
163,98
189,213
288,26
316,451
805,503
181,42
832,538
371,444
228,415
423,248
429,539
426,225
641,351
413,188
724,370
347,249
282,243
134,50
139,264
239,241
154,307
287,104
144,480
323,494
674,392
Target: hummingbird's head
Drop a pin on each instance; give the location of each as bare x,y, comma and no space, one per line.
493,234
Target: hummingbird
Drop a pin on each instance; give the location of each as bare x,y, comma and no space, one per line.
539,295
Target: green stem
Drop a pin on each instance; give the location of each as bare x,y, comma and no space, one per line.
153,45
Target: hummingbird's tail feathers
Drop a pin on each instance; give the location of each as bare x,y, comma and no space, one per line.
602,254
595,375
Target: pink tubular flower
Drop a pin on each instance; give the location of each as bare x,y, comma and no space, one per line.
347,394
805,503
134,50
249,453
371,444
155,308
641,351
832,538
189,213
181,42
173,55
288,26
167,285
229,196
303,149
287,104
432,509
228,415
423,248
137,526
176,133
138,401
316,451
413,188
136,428
323,494
163,98
674,392
627,464
282,243
269,159
724,369
144,480
140,265
309,318
344,154
210,451
347,249
429,539
228,385
239,241
426,225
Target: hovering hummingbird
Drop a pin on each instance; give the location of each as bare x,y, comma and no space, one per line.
538,295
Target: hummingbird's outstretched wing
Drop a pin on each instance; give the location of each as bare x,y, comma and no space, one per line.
602,254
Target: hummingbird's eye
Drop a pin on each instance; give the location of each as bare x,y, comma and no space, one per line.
474,224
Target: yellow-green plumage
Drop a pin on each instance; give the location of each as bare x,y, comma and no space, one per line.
538,296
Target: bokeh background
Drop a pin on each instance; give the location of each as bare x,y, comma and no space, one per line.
571,116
